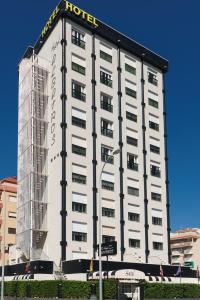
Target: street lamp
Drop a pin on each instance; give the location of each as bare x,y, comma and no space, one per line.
115,152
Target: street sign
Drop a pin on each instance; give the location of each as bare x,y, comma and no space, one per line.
108,248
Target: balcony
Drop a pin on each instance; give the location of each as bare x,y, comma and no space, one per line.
106,106
132,165
78,42
107,158
181,245
78,95
107,132
155,173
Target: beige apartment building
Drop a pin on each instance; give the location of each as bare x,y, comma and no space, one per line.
8,193
185,245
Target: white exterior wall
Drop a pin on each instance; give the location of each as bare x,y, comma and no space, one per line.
110,226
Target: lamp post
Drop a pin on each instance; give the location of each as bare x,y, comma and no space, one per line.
3,246
115,152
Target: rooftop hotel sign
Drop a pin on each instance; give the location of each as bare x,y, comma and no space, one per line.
79,12
72,9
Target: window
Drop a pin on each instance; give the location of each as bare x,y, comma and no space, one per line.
131,141
12,214
132,162
131,116
152,78
156,221
133,191
78,150
130,69
155,149
133,243
106,155
78,91
107,185
157,246
79,236
155,171
11,230
105,56
106,103
156,196
153,103
79,178
131,92
107,238
133,217
106,128
78,68
78,38
153,126
108,212
78,122
79,207
106,78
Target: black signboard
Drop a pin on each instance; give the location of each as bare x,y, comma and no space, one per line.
108,248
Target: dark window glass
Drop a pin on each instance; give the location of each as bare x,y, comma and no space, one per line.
78,122
131,116
78,39
107,238
105,56
156,221
108,212
157,246
106,103
79,236
133,243
78,150
11,230
131,92
155,171
131,162
153,103
79,178
78,68
106,78
106,128
133,191
153,126
77,91
133,217
156,196
105,155
152,78
155,149
107,185
130,69
79,207
131,141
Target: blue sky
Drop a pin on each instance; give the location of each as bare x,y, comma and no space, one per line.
170,28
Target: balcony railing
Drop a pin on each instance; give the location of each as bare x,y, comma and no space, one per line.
132,166
108,158
106,80
106,106
107,132
152,80
155,173
78,42
78,95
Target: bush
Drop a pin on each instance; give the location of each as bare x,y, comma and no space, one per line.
173,290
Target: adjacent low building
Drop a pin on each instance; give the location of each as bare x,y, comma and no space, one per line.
185,245
8,196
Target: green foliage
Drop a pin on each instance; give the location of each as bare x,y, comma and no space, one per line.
163,290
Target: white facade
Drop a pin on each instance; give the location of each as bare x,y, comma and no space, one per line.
79,168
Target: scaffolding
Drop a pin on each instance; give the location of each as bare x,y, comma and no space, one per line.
32,158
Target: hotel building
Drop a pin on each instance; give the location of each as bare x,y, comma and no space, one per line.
85,90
